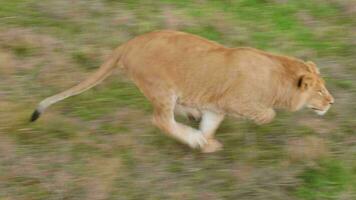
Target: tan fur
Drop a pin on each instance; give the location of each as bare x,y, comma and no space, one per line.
186,73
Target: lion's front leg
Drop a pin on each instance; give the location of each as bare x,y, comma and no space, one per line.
208,125
259,114
265,116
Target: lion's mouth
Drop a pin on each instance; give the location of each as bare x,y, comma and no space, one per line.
319,111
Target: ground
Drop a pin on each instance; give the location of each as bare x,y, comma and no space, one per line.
101,144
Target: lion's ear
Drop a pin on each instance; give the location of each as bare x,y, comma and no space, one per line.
305,82
312,67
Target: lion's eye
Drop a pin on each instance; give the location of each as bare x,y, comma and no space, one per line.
320,93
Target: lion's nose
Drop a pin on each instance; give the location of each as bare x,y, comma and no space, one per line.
331,100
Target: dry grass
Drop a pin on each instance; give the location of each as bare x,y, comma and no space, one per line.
306,148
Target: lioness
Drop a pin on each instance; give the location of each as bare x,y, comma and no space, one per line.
187,74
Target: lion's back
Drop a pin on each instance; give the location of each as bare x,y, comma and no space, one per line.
199,70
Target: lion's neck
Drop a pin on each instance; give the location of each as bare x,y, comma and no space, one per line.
289,101
284,98
287,96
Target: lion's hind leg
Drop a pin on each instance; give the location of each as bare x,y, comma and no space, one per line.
164,100
163,118
192,114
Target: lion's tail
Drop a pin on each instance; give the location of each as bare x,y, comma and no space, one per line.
103,72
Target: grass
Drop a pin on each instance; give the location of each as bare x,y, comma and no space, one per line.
102,145
326,181
98,102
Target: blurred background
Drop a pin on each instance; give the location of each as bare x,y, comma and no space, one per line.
101,144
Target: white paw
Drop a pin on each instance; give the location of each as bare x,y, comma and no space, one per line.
196,139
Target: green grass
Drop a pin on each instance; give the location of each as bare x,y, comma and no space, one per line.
208,32
104,100
326,181
101,144
85,60
23,51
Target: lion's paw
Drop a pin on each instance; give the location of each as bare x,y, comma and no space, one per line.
196,139
213,145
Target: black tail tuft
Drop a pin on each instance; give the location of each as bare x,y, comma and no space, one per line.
35,115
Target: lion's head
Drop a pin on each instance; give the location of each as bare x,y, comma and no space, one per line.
317,97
